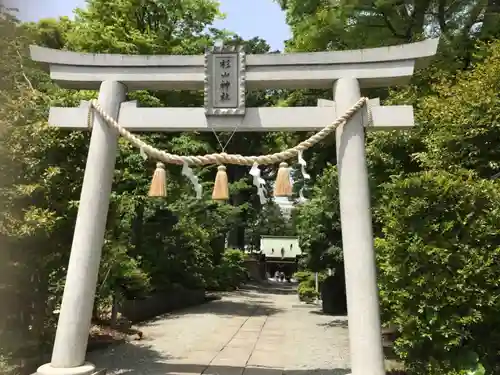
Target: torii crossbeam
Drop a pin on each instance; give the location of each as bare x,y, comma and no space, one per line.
262,119
346,71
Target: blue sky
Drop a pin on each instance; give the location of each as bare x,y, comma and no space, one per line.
248,18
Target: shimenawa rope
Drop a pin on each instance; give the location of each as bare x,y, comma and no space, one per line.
223,158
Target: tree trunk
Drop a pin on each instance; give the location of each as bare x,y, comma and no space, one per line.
114,309
236,238
137,226
95,312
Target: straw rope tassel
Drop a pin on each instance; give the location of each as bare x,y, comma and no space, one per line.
283,185
221,189
158,186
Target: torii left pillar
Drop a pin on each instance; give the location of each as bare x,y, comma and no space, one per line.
70,346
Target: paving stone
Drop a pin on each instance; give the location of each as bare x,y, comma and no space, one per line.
263,371
178,369
243,342
224,370
244,333
200,357
232,356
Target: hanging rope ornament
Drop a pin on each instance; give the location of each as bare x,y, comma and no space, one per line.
188,172
305,176
221,189
259,183
158,186
283,184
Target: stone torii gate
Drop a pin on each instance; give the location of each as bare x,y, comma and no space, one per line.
114,75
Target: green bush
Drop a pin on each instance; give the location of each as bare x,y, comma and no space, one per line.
302,276
231,272
307,285
439,270
307,293
308,278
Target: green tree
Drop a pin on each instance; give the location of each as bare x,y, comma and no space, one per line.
142,26
438,269
321,24
40,169
460,120
438,227
318,224
268,220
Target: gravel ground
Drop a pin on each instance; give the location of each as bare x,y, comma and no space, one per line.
244,333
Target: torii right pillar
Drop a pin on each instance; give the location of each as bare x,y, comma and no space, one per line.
365,335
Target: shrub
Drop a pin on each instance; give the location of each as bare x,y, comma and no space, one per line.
307,285
308,278
307,293
302,276
439,270
231,271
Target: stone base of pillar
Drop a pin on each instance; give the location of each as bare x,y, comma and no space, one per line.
86,369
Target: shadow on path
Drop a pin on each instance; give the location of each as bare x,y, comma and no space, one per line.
133,359
335,323
224,307
244,333
271,288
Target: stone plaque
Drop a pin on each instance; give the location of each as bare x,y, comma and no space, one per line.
225,81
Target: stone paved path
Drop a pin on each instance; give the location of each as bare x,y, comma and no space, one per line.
245,333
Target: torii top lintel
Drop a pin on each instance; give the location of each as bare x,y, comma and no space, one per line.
374,67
